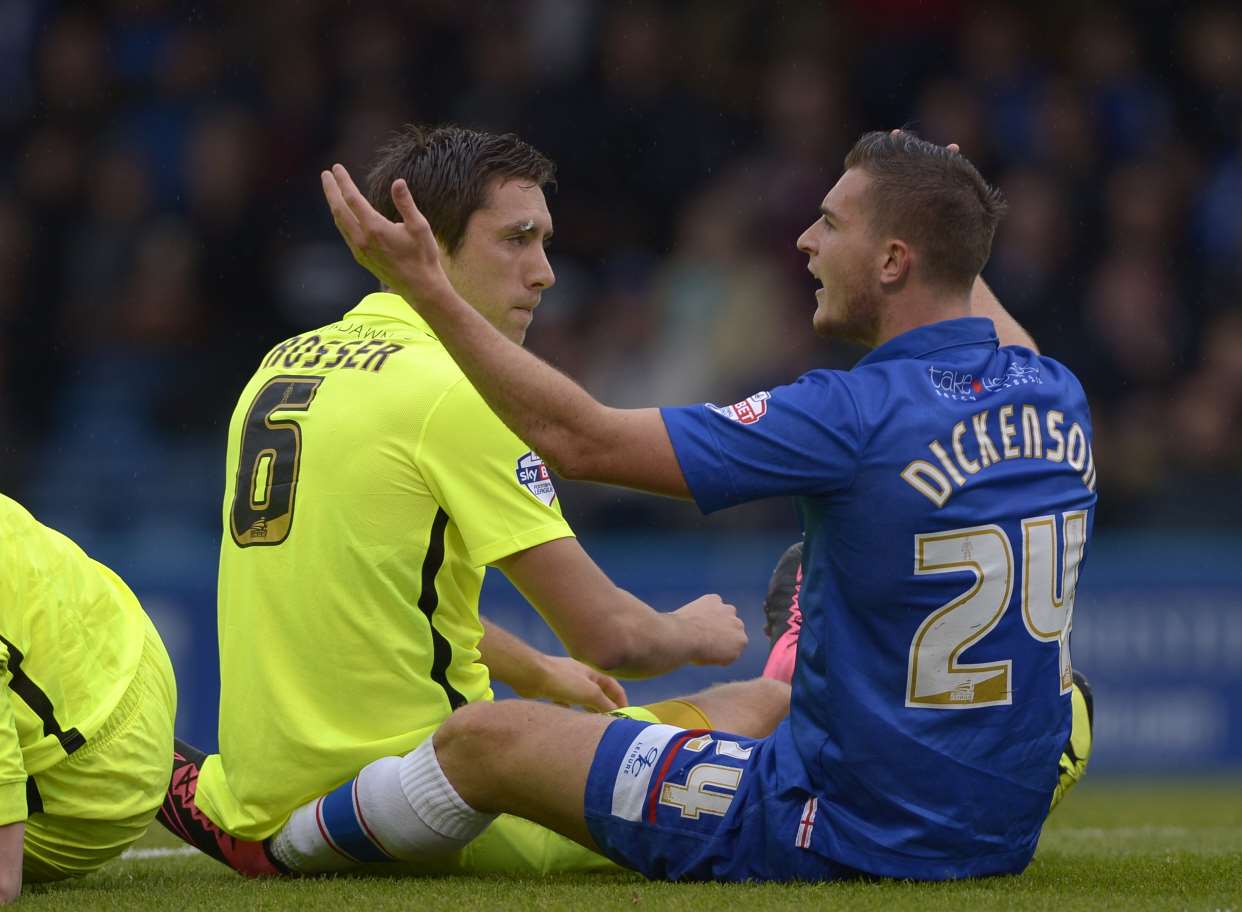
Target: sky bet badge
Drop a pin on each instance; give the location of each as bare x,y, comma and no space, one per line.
533,475
748,411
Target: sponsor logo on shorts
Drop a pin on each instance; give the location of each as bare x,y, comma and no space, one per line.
629,790
533,475
965,386
748,411
644,762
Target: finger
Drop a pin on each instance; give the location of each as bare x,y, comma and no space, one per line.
404,201
595,699
357,203
346,222
955,148
613,690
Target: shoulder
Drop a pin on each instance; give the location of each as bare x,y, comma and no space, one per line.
1025,367
459,421
1051,367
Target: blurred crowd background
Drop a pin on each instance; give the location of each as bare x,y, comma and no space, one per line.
161,224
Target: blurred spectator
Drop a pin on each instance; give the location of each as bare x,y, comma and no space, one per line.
161,226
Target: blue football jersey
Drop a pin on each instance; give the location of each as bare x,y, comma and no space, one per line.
947,488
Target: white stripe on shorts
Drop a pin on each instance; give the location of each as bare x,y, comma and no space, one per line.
807,823
629,789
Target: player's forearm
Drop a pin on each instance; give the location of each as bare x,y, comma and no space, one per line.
637,641
641,646
510,660
550,412
983,303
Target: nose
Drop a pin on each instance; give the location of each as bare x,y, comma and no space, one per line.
804,242
542,277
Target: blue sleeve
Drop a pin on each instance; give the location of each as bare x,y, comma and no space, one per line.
801,439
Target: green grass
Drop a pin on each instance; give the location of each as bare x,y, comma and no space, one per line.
1113,845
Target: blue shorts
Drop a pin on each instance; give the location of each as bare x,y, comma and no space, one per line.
701,805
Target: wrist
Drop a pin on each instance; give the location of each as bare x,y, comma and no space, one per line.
437,296
534,683
682,635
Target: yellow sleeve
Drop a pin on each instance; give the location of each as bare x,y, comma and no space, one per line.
12,769
492,486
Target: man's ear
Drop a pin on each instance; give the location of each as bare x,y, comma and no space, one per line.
896,263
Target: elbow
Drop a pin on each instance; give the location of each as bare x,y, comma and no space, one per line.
611,651
563,466
579,452
567,458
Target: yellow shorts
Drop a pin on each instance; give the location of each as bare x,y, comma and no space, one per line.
99,801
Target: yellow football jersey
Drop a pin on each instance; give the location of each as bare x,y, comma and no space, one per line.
368,484
71,637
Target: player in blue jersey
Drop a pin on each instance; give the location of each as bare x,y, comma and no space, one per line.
946,486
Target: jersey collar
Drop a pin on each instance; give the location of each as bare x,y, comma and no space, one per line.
392,307
935,337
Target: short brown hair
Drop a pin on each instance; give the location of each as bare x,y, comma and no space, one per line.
933,199
448,169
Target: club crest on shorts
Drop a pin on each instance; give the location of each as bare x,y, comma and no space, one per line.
533,475
748,411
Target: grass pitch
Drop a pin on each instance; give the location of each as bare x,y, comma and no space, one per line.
1113,845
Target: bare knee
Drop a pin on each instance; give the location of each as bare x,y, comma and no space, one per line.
473,726
471,743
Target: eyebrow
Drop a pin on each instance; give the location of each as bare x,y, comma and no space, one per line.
526,226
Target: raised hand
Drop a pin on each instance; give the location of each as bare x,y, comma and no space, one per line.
718,633
403,255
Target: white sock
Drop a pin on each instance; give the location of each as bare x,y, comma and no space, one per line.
397,808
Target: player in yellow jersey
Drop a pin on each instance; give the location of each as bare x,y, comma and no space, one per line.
86,716
368,487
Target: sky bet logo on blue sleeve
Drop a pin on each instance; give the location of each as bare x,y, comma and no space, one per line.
533,475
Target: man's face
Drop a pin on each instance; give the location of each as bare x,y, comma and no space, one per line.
501,267
845,258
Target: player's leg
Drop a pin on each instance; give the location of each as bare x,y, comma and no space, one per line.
751,708
318,838
373,818
535,759
667,802
513,845
404,809
181,816
101,799
517,757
